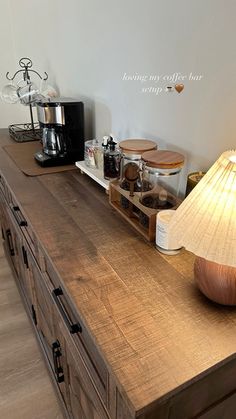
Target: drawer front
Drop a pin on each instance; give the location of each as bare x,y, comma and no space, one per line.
12,240
21,222
28,235
24,226
226,409
5,190
81,337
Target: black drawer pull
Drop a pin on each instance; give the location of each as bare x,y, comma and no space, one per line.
73,327
10,242
25,258
56,353
19,218
34,317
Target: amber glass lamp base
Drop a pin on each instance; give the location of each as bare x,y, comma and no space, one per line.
217,282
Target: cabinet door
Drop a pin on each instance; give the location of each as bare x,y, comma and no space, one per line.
84,400
81,338
19,254
44,314
11,237
53,344
19,258
82,404
26,276
2,185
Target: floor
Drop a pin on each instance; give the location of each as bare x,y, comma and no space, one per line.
26,391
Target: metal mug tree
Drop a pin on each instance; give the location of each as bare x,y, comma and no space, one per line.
27,131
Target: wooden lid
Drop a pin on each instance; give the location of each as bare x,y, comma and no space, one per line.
137,146
163,159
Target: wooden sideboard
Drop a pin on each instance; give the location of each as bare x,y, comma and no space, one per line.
124,330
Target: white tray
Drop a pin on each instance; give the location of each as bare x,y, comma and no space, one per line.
95,174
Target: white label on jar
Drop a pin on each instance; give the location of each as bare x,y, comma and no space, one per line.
162,236
163,239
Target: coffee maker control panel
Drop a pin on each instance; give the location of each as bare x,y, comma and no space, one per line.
51,114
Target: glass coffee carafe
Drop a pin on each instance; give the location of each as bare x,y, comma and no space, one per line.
53,144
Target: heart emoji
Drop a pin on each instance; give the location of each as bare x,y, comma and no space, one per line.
179,87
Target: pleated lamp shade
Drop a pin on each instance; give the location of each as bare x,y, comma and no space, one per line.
205,223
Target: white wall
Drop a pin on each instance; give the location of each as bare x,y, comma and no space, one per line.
86,46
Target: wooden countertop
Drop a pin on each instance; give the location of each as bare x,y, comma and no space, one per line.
157,333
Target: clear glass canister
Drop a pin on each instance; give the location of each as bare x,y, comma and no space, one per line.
93,155
161,169
132,150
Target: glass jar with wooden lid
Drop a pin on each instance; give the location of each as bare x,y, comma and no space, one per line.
161,169
132,150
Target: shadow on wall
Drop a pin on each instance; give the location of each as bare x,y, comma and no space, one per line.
88,116
185,170
191,165
102,120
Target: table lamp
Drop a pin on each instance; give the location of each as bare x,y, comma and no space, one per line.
205,224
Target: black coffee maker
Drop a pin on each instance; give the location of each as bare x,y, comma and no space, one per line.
62,124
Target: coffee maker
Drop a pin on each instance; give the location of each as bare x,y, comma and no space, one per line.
62,124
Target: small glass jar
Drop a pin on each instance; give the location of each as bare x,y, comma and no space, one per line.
111,159
161,169
132,150
92,153
192,181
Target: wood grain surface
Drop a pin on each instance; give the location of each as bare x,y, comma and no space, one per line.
160,338
163,159
137,146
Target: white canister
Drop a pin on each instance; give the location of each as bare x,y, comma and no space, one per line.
164,242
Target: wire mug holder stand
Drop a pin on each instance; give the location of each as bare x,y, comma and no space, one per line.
29,131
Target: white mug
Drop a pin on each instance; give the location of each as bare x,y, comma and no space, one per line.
9,93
